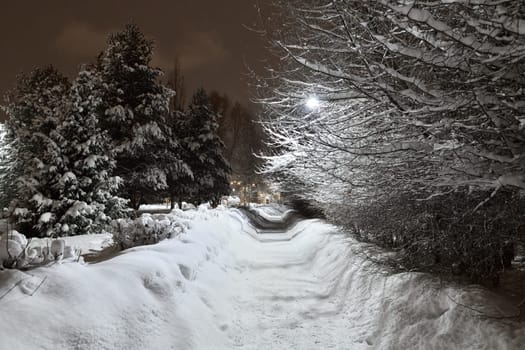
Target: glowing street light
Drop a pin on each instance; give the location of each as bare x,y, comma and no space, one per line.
312,103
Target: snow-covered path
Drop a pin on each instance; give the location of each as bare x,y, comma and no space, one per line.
292,302
311,288
223,285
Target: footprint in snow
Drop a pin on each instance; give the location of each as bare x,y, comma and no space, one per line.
186,272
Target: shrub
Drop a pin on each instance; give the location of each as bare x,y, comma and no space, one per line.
444,234
146,229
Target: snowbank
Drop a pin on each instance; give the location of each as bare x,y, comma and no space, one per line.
163,296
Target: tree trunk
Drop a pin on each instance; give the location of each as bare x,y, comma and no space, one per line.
172,202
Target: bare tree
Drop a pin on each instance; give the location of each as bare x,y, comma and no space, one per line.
383,99
176,83
436,85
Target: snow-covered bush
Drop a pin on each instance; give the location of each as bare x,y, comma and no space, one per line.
146,229
17,252
440,235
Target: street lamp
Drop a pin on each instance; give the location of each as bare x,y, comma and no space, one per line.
312,103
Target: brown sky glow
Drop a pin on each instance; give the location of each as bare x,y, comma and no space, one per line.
208,36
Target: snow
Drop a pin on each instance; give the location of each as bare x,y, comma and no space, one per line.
91,161
515,25
45,217
40,200
220,285
154,207
78,208
83,243
273,213
57,248
164,206
146,229
517,180
69,177
11,246
232,201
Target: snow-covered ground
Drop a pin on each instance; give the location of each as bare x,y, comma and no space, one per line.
275,213
146,207
164,206
220,285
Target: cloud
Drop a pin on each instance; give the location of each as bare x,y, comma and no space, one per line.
201,48
80,40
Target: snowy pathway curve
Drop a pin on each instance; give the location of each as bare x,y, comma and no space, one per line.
308,288
290,303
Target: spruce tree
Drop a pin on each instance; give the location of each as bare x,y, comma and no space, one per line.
9,170
210,170
87,188
181,181
135,112
35,109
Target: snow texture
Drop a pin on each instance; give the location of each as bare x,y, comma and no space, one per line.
220,285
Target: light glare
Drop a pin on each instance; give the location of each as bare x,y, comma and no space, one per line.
312,103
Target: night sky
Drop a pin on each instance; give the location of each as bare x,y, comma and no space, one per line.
208,36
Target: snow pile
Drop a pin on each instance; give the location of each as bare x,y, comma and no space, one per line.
172,295
220,285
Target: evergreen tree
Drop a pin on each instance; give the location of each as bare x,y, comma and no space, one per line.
135,111
181,182
35,108
210,170
9,170
87,187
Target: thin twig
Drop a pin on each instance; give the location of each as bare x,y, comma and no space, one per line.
482,313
